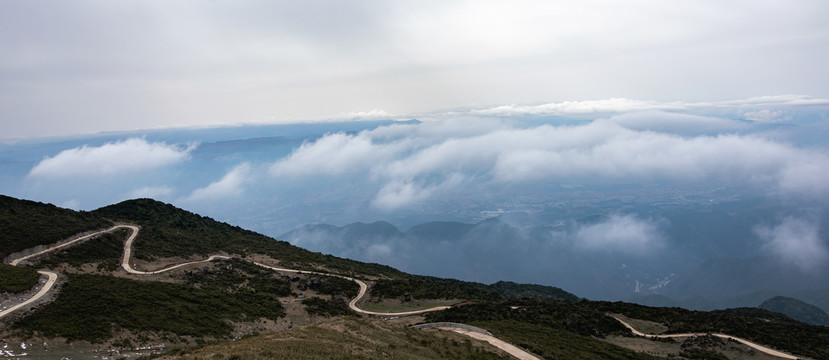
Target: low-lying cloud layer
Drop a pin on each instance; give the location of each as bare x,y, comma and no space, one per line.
622,233
796,241
229,186
123,157
408,164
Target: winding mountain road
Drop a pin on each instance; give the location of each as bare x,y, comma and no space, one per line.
125,259
53,277
363,289
125,264
509,348
759,347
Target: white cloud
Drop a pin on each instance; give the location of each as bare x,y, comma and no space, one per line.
797,242
623,105
379,251
620,233
123,157
229,186
412,163
678,123
333,154
152,192
764,116
73,204
397,194
614,105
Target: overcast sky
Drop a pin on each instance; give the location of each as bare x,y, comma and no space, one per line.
69,67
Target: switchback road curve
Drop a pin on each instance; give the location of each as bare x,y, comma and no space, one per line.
759,347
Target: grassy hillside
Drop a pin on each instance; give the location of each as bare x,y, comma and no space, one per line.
511,290
552,343
14,279
346,338
764,327
429,287
27,224
91,307
552,329
578,318
169,231
105,249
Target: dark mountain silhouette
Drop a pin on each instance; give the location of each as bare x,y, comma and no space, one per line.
797,310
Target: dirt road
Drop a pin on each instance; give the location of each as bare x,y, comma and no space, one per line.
759,347
511,349
43,291
125,259
363,289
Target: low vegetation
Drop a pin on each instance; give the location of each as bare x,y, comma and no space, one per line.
90,307
511,290
27,224
344,338
761,326
15,279
108,246
554,343
425,287
574,317
331,286
336,306
240,278
167,231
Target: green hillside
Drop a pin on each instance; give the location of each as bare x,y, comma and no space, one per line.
27,224
16,279
167,231
345,338
765,327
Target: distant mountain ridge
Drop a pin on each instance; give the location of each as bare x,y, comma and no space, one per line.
514,244
797,310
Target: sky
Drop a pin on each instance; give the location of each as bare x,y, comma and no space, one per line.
80,67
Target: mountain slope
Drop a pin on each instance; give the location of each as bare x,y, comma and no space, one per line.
796,309
167,231
26,224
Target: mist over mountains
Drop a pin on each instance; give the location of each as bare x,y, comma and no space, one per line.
702,258
702,205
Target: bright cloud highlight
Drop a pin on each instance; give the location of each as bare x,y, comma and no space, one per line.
797,242
408,164
229,186
123,157
623,233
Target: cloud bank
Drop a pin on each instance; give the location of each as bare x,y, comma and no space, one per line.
796,241
229,186
123,157
757,105
409,164
622,233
